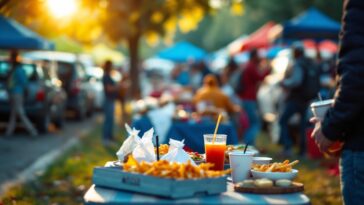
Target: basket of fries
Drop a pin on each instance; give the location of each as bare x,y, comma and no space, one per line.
275,171
162,178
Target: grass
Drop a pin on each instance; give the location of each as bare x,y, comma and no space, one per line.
66,181
68,178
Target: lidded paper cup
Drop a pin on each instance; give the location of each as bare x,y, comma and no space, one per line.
240,164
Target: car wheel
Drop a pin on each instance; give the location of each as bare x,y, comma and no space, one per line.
43,123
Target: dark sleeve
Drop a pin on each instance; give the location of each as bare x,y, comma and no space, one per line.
349,98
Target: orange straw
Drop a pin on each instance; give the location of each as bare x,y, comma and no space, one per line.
216,128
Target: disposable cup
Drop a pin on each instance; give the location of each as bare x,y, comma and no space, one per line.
240,164
262,160
215,150
320,108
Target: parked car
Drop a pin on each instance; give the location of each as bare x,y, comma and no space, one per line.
72,73
45,100
94,76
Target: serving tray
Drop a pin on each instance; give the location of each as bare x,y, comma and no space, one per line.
295,187
116,178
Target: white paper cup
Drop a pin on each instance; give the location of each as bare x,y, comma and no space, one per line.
240,165
320,108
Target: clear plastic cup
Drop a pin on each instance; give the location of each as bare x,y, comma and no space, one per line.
215,150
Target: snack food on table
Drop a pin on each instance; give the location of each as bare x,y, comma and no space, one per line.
248,183
284,166
263,183
283,183
173,170
196,156
163,149
230,148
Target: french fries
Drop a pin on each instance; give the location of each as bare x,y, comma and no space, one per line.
173,170
284,166
163,149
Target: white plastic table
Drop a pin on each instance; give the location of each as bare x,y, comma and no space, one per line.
99,195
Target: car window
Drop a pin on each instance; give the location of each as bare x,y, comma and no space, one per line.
30,70
48,70
41,74
4,69
65,71
81,71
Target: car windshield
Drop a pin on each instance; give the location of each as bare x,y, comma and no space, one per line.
65,73
30,70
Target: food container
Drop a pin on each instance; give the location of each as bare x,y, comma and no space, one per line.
116,178
262,160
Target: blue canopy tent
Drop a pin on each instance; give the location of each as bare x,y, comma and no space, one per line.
15,36
312,24
182,52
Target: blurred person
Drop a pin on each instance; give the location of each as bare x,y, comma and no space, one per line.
344,121
232,73
112,91
210,92
327,80
196,77
204,69
17,82
301,78
180,75
229,78
123,95
247,89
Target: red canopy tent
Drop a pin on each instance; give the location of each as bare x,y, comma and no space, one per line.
258,39
326,45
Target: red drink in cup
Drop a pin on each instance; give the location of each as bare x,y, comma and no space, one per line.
215,150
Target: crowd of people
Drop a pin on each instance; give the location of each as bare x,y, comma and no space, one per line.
234,91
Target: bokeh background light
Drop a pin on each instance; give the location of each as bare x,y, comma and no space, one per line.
62,8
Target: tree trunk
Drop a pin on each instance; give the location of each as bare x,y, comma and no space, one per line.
3,3
133,43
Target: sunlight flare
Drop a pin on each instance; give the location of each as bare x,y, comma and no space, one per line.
62,8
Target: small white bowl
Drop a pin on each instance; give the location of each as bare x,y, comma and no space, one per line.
262,160
275,175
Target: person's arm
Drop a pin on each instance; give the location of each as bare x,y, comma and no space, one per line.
232,108
112,88
295,79
349,98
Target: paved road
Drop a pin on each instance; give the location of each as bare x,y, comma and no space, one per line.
20,151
